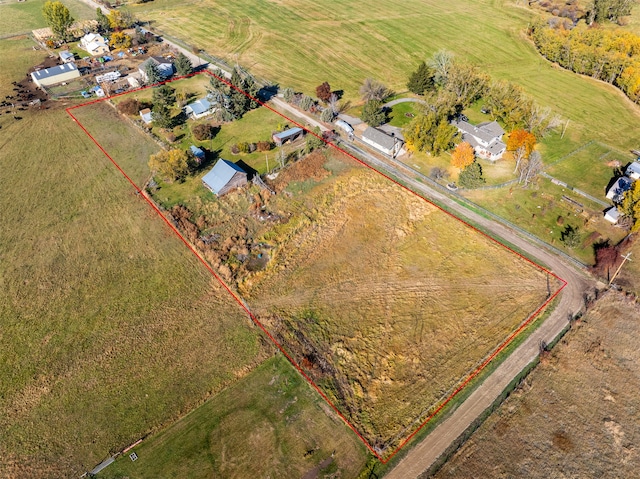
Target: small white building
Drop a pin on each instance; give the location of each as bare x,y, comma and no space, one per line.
485,138
54,75
94,44
345,126
387,144
612,215
146,116
199,108
633,170
66,56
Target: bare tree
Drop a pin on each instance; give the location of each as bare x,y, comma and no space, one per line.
373,90
333,104
530,168
441,63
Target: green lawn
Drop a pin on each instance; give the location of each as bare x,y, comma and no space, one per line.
269,424
590,169
19,17
398,115
301,45
537,209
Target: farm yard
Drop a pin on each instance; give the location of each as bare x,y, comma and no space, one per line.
357,278
575,415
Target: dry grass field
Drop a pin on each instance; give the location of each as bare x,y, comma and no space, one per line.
576,415
384,300
387,302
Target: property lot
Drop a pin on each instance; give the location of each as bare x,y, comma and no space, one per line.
575,415
384,301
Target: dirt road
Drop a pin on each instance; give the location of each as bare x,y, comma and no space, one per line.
424,454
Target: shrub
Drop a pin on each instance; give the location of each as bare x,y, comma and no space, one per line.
306,102
171,137
264,145
130,106
327,115
235,149
243,147
203,132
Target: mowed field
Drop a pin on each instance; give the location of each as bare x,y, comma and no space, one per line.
20,17
109,326
576,415
302,44
269,424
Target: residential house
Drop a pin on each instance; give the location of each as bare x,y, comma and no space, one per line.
485,138
633,170
165,67
54,75
66,56
199,108
224,177
146,116
94,44
291,134
617,191
387,144
612,215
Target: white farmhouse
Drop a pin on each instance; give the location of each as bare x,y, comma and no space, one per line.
387,144
95,44
485,138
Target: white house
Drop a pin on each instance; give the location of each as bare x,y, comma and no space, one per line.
485,138
53,75
387,144
66,56
633,170
612,215
95,44
199,108
618,189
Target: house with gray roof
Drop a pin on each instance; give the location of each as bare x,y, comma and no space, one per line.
94,44
164,66
485,138
224,177
54,75
381,141
619,188
199,108
66,56
612,215
633,170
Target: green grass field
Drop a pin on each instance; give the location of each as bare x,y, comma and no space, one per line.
302,45
20,17
269,424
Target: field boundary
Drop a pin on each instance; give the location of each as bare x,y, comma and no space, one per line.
462,383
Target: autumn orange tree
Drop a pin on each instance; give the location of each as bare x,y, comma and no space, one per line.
521,143
171,165
462,156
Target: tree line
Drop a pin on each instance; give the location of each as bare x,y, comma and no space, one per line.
612,56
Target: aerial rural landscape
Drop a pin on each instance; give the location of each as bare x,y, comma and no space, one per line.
330,240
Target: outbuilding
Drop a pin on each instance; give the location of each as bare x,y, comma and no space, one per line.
633,170
197,153
66,56
224,177
343,125
612,215
291,134
387,144
199,108
55,75
146,116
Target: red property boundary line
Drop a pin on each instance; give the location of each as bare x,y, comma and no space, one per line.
461,386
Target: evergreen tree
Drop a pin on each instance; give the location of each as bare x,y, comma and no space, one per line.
153,74
421,80
471,176
161,115
183,65
103,21
164,95
373,114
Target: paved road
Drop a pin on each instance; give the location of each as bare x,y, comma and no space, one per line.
404,100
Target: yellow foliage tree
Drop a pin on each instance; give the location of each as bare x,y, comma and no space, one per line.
120,40
631,205
463,155
171,165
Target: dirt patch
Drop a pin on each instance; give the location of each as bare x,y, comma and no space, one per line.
310,167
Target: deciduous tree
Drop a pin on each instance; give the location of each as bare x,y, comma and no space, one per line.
441,63
373,90
120,40
630,206
323,91
58,18
170,165
463,155
521,143
103,21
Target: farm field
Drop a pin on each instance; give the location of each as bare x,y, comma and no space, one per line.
269,424
110,327
575,415
21,17
301,45
385,301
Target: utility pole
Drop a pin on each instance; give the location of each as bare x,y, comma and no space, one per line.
626,257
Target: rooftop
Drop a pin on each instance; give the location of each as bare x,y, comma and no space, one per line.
53,71
379,137
287,133
220,175
200,106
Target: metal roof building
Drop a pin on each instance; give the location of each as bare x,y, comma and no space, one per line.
59,74
224,177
